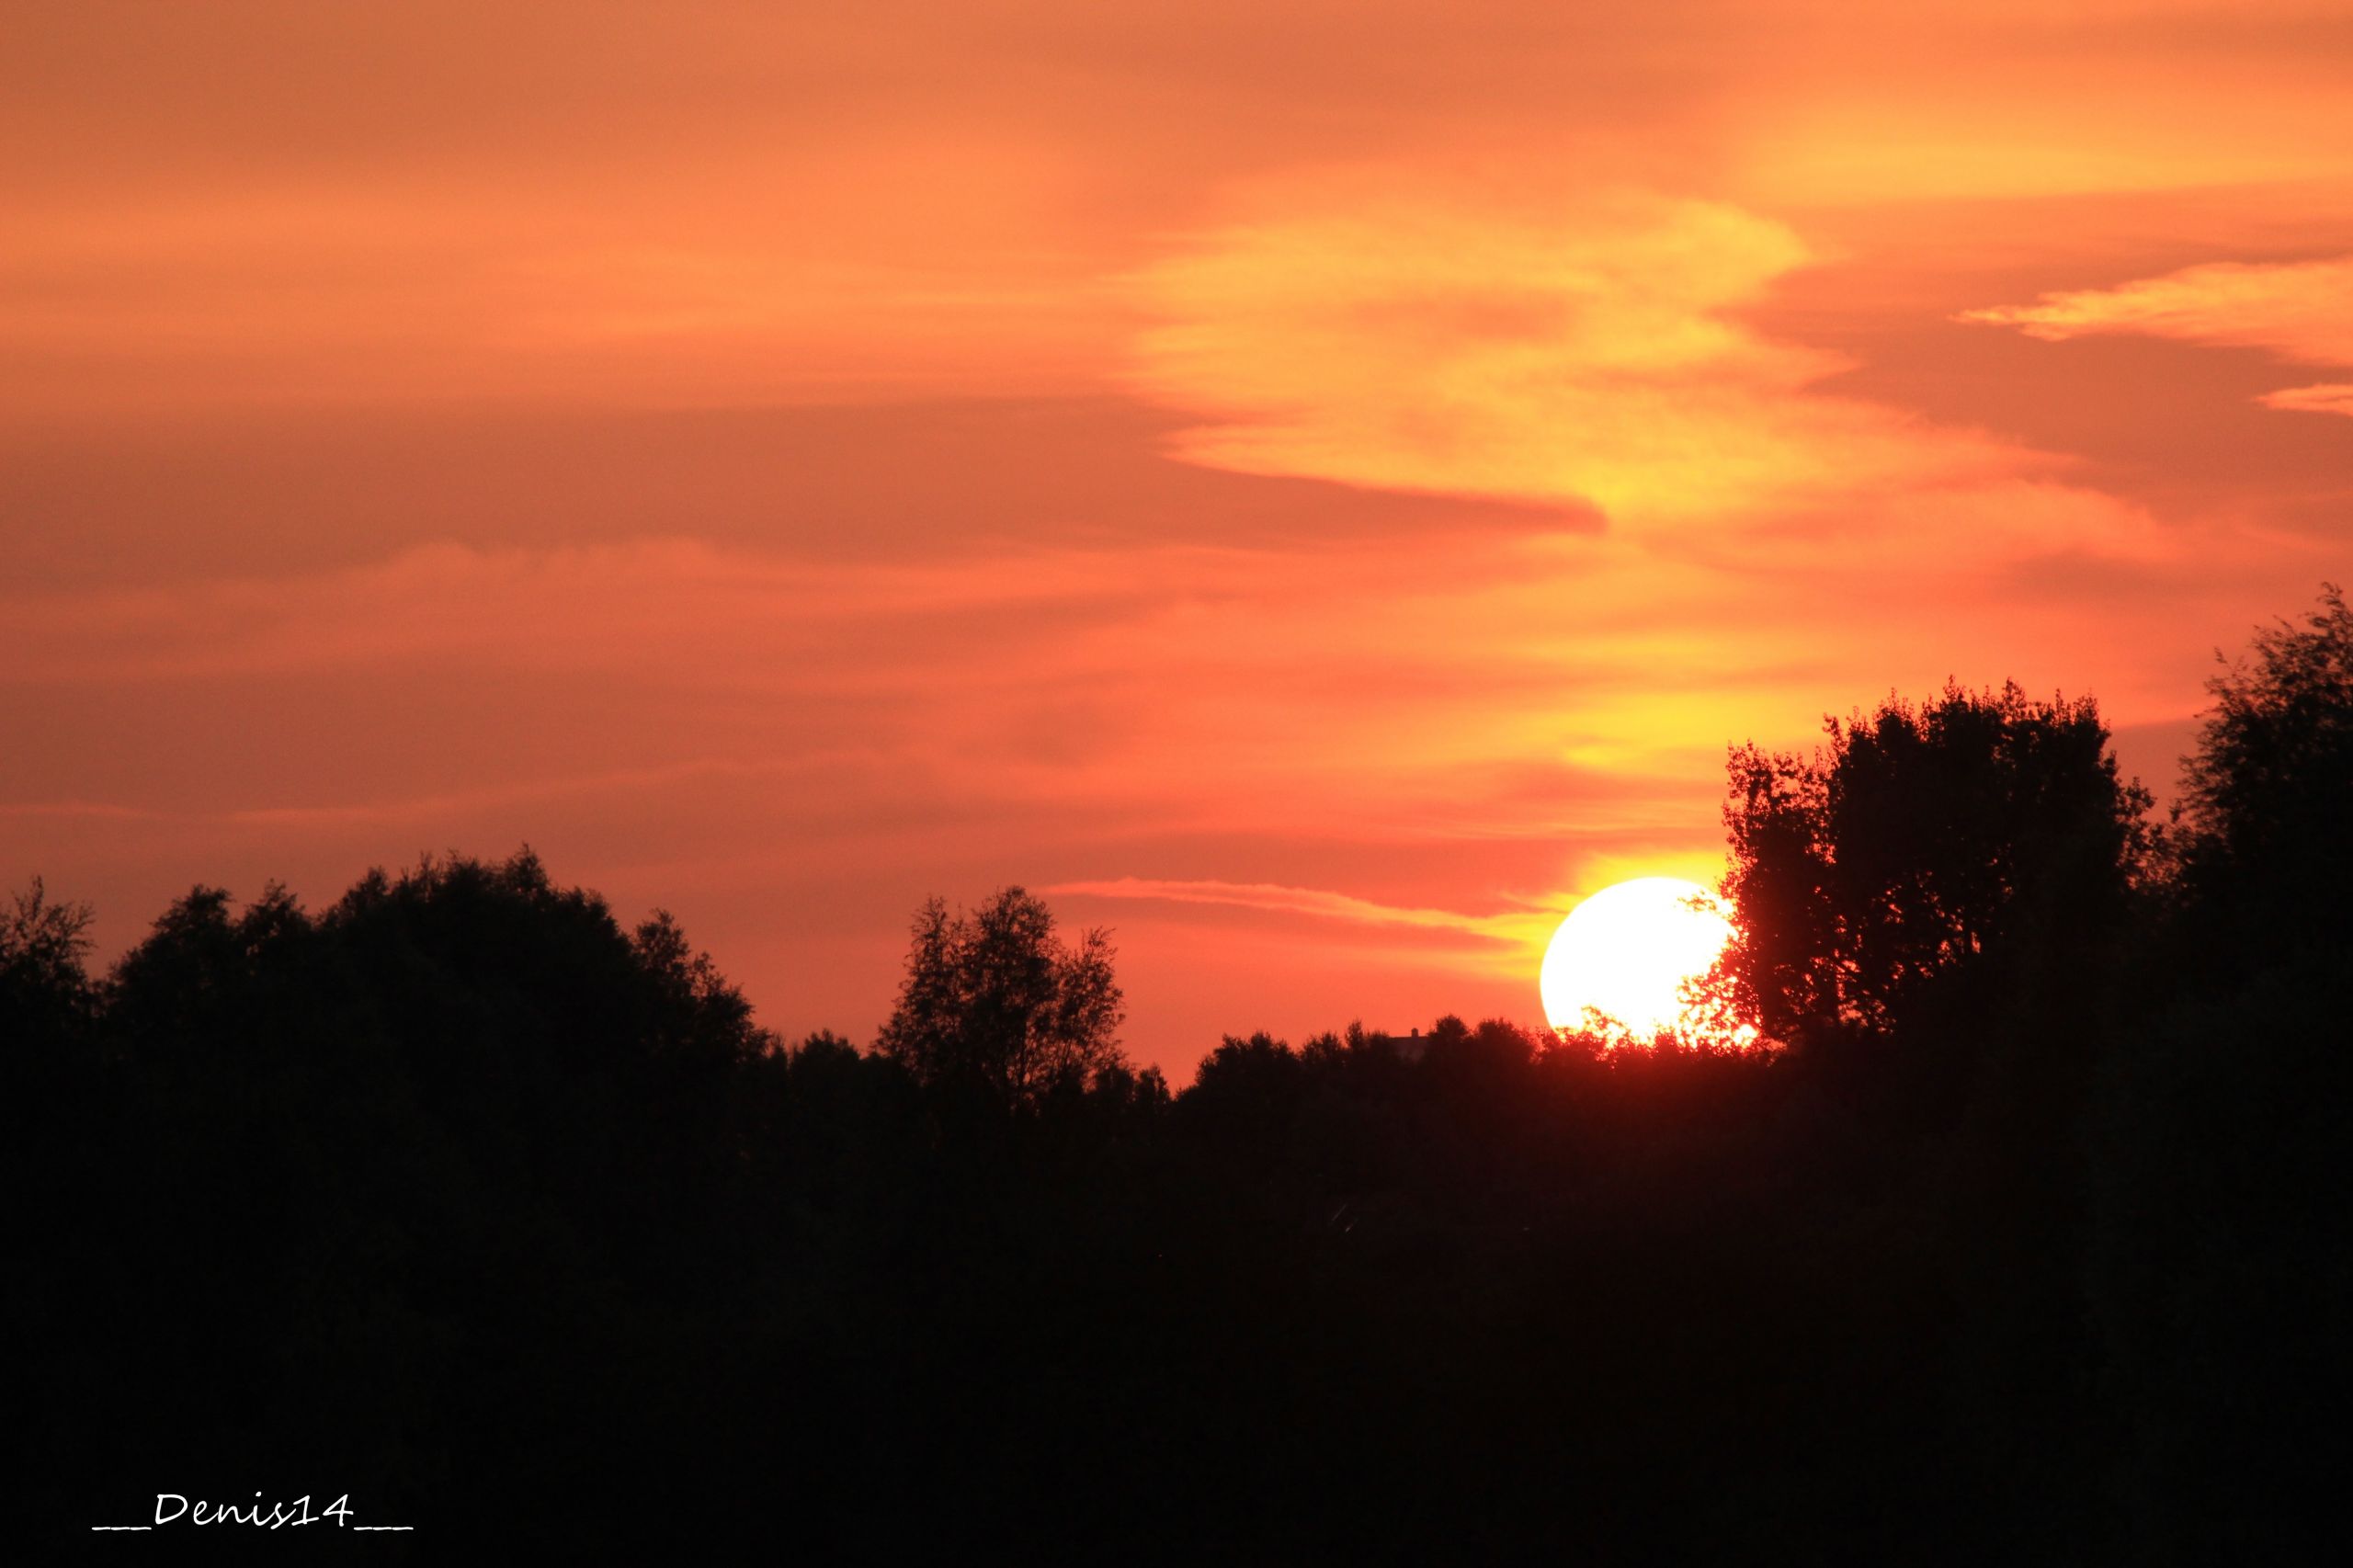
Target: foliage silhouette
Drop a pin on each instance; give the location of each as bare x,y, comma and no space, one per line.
2215,1255
2270,827
46,995
1919,842
994,1007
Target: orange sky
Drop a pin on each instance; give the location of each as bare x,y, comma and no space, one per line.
1317,483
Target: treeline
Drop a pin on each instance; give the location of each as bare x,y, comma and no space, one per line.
2025,1243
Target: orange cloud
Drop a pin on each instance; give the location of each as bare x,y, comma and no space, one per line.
2300,310
1592,354
1307,901
1514,941
2330,397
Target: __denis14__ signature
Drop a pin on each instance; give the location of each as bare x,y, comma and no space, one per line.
172,1508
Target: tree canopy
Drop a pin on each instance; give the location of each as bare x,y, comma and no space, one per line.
992,1002
2268,795
1919,840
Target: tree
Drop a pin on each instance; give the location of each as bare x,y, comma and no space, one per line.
2220,1130
47,999
696,1013
201,980
42,944
1918,842
468,955
994,1003
2266,793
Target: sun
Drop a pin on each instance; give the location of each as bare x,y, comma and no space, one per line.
1617,964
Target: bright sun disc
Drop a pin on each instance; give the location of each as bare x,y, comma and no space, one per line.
1620,959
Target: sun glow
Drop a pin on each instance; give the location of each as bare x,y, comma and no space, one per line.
1619,962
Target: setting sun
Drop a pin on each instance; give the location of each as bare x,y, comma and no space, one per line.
1621,959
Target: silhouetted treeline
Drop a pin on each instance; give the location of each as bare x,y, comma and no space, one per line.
2026,1243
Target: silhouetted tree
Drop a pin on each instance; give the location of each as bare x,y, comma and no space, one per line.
696,1013
1260,1067
45,993
1917,841
2268,795
462,951
195,985
994,1003
1245,1094
2213,1263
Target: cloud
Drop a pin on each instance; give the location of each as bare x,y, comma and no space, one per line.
1593,353
1517,928
2300,310
589,608
1174,680
2328,397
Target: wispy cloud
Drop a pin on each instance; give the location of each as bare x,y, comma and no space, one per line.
1512,927
2300,310
2328,397
1594,354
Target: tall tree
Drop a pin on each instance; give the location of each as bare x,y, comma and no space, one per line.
48,1001
44,989
2268,795
995,1003
1919,841
2214,1273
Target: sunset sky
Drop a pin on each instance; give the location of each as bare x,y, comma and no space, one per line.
1312,486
